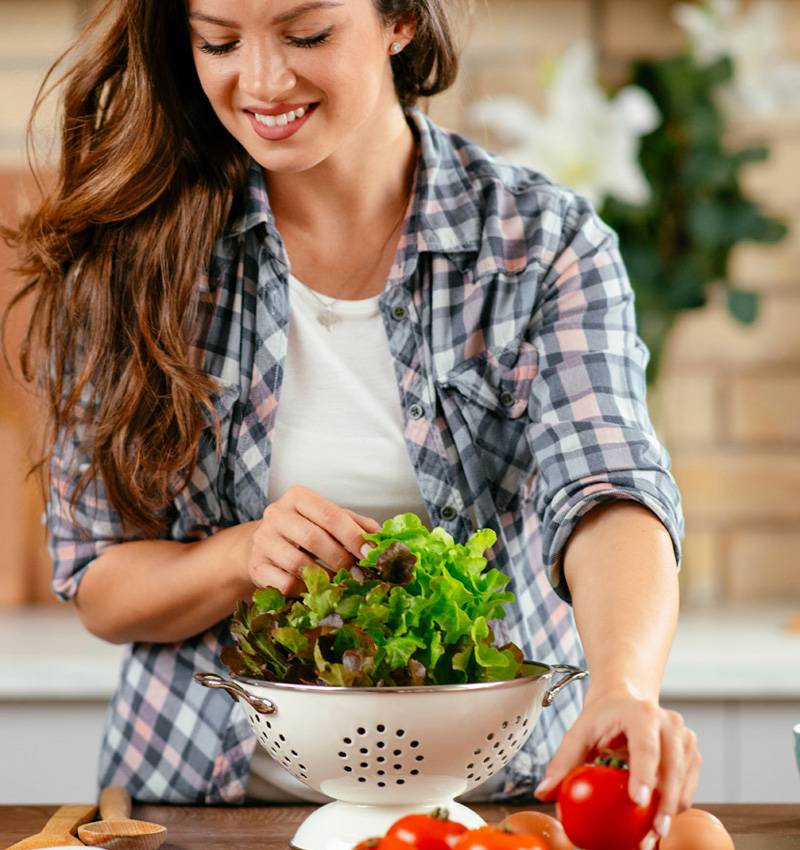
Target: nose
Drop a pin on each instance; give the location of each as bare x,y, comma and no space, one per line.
265,73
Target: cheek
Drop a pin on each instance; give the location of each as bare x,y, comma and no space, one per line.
213,81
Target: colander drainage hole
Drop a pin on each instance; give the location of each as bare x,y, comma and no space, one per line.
381,744
505,724
414,744
477,752
381,785
380,759
490,736
294,753
361,730
348,740
343,755
398,766
401,781
414,772
348,768
380,727
397,752
362,779
381,772
364,750
419,758
400,733
364,764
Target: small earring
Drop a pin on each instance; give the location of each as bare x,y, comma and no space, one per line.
395,48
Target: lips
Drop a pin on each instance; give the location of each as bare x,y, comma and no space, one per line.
280,131
282,109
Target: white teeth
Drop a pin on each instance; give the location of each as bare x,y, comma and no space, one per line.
281,120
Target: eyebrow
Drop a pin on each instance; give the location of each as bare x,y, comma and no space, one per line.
283,18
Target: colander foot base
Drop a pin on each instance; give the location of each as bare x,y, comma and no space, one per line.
340,826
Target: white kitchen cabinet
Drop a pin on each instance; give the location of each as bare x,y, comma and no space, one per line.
747,750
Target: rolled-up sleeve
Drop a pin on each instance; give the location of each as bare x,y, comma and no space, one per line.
590,431
76,537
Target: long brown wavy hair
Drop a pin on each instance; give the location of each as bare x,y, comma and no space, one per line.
111,255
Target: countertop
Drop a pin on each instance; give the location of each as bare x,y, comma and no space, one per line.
271,827
743,652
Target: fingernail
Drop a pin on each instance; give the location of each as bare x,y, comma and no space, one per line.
650,842
642,797
544,786
365,550
662,824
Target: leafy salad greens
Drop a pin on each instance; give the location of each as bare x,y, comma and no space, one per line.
415,611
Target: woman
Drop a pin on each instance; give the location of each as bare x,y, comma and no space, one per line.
276,304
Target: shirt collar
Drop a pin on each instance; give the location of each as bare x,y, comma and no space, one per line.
445,214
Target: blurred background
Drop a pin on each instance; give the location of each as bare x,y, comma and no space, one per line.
682,122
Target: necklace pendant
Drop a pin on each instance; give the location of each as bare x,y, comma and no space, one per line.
327,318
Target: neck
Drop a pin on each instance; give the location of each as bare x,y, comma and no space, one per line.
365,181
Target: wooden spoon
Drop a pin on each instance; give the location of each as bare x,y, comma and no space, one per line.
117,830
58,831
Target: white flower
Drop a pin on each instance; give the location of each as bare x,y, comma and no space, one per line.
584,140
765,81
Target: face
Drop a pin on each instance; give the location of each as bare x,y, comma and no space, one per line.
294,82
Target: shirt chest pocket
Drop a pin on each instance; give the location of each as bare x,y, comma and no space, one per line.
485,401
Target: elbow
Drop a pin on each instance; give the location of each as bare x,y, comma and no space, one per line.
94,603
96,624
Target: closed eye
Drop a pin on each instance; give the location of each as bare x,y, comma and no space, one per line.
217,49
311,41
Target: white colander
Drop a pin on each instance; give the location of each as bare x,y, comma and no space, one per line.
382,753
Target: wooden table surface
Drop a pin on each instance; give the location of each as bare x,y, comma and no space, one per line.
270,827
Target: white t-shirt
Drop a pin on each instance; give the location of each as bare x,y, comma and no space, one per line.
339,431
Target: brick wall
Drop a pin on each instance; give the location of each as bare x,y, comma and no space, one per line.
728,405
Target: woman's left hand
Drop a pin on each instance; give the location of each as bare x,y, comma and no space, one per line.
661,751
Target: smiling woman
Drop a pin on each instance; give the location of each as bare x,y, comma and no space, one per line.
274,305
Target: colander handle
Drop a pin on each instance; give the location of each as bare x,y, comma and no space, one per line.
573,674
259,704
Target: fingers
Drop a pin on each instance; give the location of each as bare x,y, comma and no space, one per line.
367,523
644,752
693,762
672,771
337,522
573,751
302,527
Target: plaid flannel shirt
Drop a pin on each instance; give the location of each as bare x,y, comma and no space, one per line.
509,316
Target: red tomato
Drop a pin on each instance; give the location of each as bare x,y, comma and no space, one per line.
596,812
494,838
427,832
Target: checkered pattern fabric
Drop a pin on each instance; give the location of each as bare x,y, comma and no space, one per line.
509,317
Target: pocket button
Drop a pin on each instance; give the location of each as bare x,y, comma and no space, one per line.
416,411
507,399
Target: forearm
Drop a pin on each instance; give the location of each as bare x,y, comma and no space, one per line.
619,564
160,591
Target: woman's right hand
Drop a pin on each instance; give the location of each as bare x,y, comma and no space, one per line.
301,527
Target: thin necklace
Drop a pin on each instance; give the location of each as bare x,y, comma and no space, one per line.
327,317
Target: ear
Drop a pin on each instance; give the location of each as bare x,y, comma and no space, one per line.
402,31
